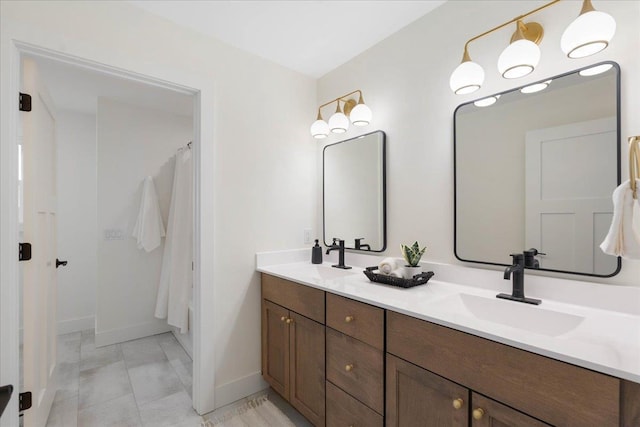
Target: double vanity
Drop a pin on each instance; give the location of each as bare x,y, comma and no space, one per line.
348,352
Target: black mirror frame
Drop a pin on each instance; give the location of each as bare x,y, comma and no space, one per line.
384,191
619,173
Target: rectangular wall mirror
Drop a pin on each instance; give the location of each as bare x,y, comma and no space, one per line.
537,170
354,192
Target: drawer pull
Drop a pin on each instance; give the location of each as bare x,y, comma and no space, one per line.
289,321
457,403
349,367
349,319
478,413
283,318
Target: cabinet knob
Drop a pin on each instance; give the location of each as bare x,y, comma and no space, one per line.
478,413
457,403
349,319
283,318
289,321
349,367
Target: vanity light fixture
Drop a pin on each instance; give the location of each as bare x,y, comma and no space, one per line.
586,35
589,33
485,102
536,87
359,113
598,69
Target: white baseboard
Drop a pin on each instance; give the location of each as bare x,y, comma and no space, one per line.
129,333
243,387
76,325
185,341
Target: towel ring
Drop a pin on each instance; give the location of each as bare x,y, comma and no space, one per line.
634,164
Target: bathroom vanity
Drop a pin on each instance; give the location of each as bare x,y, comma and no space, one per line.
348,352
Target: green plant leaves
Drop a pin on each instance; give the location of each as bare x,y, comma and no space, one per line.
412,254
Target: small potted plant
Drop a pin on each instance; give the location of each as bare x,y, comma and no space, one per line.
412,255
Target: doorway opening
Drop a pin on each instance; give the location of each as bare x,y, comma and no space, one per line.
113,129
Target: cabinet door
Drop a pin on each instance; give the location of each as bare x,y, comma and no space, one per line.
275,347
489,413
306,341
417,397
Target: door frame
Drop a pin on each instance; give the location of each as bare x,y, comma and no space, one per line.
9,225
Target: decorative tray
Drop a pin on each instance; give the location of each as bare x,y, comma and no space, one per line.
418,279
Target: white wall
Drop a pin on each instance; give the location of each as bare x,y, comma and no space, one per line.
77,210
133,143
405,79
257,166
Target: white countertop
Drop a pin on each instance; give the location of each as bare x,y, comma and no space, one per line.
602,334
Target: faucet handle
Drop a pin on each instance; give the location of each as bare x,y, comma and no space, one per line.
518,259
335,241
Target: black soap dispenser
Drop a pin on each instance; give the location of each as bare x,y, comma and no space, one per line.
316,254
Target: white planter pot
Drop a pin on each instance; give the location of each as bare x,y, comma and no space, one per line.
409,272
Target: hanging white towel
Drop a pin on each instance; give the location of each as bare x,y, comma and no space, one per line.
623,240
149,228
176,277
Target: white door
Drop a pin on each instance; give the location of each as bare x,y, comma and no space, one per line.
39,280
570,175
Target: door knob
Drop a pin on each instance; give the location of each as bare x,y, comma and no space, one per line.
60,263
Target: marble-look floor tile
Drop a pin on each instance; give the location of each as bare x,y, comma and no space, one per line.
296,417
68,375
171,411
64,413
121,412
142,351
154,381
92,357
101,384
172,348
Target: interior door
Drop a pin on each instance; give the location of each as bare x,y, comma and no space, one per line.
39,273
570,175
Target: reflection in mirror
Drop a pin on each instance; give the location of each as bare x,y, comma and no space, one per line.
536,168
354,192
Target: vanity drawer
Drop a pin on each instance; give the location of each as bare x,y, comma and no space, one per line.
344,410
299,298
553,391
356,319
356,368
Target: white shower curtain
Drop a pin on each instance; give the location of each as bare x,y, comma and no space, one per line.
176,277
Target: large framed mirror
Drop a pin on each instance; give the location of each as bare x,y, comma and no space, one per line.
354,200
537,169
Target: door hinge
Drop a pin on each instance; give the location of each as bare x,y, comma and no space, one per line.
25,102
24,251
25,401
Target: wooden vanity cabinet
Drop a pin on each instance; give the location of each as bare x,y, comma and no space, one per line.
293,345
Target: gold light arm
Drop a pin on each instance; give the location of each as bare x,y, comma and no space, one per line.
516,19
341,98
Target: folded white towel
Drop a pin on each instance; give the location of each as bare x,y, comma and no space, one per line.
149,228
387,265
398,272
622,240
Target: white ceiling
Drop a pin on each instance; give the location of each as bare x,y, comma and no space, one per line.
312,37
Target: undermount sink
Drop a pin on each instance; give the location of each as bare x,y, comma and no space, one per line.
516,315
321,272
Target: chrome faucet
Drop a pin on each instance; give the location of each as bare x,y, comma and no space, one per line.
340,247
517,270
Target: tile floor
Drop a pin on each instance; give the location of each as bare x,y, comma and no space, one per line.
145,382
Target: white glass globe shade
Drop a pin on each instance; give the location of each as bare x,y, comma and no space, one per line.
360,115
598,69
589,33
519,59
319,129
338,123
466,78
485,102
536,87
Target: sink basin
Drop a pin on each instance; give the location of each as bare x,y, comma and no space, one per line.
320,272
514,314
